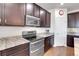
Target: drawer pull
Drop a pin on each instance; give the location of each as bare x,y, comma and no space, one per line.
5,20
0,19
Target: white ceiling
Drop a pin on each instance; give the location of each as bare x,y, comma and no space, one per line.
69,6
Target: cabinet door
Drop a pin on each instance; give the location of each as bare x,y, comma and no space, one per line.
30,9
71,20
77,20
47,43
36,11
70,41
0,53
47,19
14,14
20,50
20,53
42,17
1,13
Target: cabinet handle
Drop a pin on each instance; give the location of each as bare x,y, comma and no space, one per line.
0,19
5,20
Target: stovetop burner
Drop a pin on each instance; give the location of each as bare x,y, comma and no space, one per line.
30,35
33,39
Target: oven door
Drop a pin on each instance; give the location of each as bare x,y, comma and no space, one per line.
37,48
32,21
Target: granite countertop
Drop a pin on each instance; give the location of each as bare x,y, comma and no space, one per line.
44,34
73,34
11,42
40,36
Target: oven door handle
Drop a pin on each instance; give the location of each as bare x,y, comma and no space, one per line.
37,41
37,49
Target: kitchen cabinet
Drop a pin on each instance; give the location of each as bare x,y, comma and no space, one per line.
47,43
14,14
0,53
20,50
77,20
20,53
1,14
36,11
47,19
42,17
70,40
30,9
71,20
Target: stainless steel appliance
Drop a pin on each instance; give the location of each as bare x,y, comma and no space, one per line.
36,43
32,21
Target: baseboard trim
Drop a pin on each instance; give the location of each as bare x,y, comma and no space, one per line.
60,45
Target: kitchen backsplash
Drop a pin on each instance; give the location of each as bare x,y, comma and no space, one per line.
14,31
74,30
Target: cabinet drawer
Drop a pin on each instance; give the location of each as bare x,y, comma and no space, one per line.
37,45
15,49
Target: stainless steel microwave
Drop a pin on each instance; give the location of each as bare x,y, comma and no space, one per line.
32,21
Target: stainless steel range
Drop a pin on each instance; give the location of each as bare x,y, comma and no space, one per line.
37,43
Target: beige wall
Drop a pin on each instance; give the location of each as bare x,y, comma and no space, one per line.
59,28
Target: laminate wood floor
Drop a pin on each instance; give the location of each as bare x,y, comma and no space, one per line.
60,51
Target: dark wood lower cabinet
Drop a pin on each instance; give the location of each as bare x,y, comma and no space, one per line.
21,50
47,43
70,40
0,53
21,53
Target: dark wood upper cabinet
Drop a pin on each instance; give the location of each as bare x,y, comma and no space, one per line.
36,11
77,20
29,9
48,19
42,17
71,20
14,14
1,14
